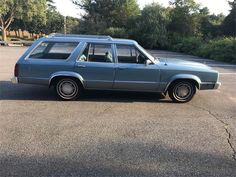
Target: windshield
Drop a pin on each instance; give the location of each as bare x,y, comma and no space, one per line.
155,60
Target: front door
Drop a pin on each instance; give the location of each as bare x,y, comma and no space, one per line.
132,72
96,66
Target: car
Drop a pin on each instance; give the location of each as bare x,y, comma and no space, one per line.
74,63
15,42
3,43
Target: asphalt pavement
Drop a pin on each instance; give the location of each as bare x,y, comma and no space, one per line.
116,133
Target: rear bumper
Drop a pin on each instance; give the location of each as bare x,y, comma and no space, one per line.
14,80
209,86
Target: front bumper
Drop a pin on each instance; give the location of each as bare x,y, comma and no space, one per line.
14,80
209,86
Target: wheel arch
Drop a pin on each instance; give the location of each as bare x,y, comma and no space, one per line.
67,74
195,79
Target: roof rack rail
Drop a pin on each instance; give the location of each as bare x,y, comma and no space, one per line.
80,36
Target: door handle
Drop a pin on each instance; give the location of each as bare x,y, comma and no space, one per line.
81,66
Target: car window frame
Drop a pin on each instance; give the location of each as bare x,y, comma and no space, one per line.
135,47
50,59
97,43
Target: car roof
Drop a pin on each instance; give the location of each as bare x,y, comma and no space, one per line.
91,38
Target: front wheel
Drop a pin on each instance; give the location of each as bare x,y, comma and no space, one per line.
182,91
68,89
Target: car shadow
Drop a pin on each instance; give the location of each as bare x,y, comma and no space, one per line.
9,91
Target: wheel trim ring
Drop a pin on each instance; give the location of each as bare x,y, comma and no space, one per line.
177,91
66,96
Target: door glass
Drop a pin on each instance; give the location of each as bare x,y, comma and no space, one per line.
97,53
129,54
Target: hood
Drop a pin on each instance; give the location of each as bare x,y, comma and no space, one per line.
183,63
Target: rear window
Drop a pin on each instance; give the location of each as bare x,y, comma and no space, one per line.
53,50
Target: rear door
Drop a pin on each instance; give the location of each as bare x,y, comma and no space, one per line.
96,65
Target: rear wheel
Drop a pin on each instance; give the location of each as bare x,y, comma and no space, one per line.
68,89
182,91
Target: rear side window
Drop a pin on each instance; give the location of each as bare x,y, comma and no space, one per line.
53,50
97,53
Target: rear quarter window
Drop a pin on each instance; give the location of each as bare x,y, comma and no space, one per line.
53,50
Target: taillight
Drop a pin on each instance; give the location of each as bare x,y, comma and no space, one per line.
16,70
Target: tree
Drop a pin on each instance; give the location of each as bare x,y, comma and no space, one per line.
103,14
183,17
54,22
209,25
150,29
229,23
20,9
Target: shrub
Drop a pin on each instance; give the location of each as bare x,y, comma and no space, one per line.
189,45
223,49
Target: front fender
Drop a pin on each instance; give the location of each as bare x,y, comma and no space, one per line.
67,74
183,76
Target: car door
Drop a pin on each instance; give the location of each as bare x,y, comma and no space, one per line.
132,72
96,66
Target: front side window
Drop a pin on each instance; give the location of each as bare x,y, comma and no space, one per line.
97,53
129,54
53,50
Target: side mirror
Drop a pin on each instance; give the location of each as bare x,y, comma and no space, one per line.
148,62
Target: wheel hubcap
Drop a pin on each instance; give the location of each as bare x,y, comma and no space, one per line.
67,89
183,91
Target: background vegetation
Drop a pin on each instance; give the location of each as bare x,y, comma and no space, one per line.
184,26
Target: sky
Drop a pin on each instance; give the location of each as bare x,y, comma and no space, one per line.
67,8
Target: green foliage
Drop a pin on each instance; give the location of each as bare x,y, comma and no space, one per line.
229,24
150,28
189,45
223,49
116,32
104,14
21,9
183,17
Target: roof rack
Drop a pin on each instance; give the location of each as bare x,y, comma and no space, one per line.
80,36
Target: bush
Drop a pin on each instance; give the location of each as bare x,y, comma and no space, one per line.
189,45
223,49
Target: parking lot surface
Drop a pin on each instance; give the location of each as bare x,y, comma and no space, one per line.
116,133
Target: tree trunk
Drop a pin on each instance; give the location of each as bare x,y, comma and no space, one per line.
4,34
19,32
15,33
22,31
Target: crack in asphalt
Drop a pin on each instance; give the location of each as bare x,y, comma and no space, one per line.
225,125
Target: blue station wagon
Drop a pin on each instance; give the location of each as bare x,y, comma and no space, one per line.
73,63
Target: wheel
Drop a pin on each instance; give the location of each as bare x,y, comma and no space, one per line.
182,91
68,89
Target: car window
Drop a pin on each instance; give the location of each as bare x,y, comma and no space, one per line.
97,53
129,54
53,50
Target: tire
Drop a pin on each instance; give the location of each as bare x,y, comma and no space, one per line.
68,89
182,91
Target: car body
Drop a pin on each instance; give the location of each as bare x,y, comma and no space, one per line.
3,43
15,42
73,63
